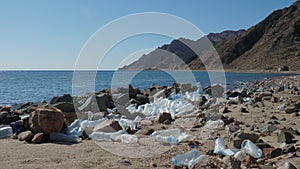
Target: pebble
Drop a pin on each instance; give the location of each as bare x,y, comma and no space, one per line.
124,161
287,165
272,152
244,110
267,167
285,137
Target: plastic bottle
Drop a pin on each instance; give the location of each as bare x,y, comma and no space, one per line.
167,139
234,100
60,137
220,148
207,104
73,128
214,124
137,119
202,159
128,139
78,126
219,145
185,137
85,124
127,124
6,132
24,116
90,115
17,127
174,96
110,110
102,136
169,132
186,158
281,107
251,149
131,108
88,123
240,155
185,108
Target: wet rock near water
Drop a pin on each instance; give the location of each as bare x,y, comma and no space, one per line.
94,103
66,98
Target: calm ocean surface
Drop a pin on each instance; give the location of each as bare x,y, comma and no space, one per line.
33,86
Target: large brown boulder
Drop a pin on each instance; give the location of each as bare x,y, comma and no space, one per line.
46,121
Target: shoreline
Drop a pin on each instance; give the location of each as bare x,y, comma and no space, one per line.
281,74
297,72
260,112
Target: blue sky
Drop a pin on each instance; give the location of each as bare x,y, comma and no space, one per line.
41,34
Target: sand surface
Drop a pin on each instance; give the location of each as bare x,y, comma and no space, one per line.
88,154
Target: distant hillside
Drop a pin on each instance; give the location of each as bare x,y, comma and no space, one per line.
178,53
175,54
271,43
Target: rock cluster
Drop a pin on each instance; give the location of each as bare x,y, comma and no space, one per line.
264,112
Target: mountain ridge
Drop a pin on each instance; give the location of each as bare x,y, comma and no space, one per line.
272,43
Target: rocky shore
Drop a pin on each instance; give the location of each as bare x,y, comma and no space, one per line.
265,112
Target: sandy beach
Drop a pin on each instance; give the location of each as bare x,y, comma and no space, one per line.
88,154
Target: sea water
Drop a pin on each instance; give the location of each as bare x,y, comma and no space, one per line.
17,87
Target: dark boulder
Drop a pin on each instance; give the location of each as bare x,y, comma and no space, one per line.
145,131
65,106
215,90
162,117
142,99
5,108
108,126
283,68
251,136
133,92
187,87
7,118
122,99
95,103
65,98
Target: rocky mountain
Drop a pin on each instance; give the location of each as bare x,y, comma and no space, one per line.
179,52
272,43
225,35
171,56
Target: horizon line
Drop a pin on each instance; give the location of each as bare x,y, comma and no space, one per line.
58,69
